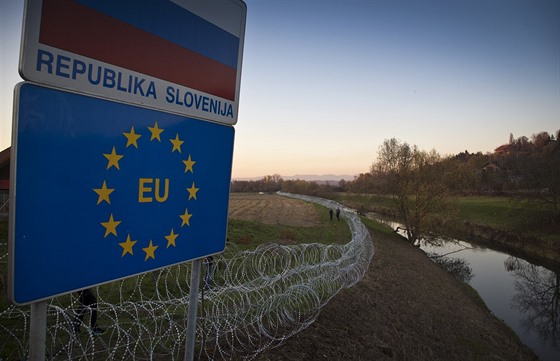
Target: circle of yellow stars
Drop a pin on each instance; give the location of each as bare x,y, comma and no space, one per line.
104,193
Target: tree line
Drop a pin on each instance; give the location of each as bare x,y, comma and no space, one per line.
420,182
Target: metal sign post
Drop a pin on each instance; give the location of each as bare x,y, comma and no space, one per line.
193,305
38,331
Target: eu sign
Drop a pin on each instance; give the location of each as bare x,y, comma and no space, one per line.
104,190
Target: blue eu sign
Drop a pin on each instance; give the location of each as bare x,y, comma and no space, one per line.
103,190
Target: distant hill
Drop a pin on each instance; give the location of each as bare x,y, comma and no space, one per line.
325,178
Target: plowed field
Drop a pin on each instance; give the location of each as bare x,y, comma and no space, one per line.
272,209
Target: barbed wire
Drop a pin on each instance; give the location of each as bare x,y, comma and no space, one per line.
252,300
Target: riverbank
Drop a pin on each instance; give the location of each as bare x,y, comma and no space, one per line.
540,251
405,308
501,225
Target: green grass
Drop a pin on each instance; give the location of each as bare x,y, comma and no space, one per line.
378,227
518,216
362,200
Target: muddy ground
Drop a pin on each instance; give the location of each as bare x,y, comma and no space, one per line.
405,308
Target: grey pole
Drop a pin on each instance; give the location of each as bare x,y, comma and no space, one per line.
38,331
193,304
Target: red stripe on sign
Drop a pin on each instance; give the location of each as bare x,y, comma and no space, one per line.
80,30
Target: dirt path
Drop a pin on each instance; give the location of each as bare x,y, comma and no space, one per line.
405,308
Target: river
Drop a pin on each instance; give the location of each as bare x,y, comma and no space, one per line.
524,295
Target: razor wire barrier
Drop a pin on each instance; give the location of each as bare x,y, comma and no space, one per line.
255,300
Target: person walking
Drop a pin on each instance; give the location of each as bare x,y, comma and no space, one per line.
87,301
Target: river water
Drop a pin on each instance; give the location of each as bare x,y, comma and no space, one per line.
524,295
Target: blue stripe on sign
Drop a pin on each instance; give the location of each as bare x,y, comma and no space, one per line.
175,24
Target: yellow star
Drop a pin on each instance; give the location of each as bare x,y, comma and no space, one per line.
176,143
189,164
192,191
156,131
186,218
127,246
150,251
132,138
110,226
103,193
171,238
113,159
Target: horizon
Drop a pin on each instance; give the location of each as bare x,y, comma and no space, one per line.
324,83
338,176
306,177
349,177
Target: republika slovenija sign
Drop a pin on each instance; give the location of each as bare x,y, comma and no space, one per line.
179,56
116,173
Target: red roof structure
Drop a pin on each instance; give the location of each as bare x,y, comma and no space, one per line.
5,169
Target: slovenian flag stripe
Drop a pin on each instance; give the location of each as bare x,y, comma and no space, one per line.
194,33
82,30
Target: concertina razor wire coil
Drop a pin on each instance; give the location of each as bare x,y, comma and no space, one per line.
258,299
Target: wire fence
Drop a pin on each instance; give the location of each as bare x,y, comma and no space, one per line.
250,301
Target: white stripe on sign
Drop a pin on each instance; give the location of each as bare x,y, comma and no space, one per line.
224,14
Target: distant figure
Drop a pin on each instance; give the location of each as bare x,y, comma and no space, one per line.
209,276
337,214
330,214
87,300
362,210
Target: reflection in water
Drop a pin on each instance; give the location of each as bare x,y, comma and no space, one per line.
537,298
458,267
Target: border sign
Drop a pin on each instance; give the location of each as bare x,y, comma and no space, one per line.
180,56
103,190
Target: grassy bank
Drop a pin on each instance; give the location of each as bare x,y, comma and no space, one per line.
520,227
503,213
516,216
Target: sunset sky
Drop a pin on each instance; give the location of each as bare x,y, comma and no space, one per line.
324,82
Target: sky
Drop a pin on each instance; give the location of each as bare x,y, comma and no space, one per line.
325,82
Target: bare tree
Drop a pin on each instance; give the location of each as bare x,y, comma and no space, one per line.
415,180
271,183
537,297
